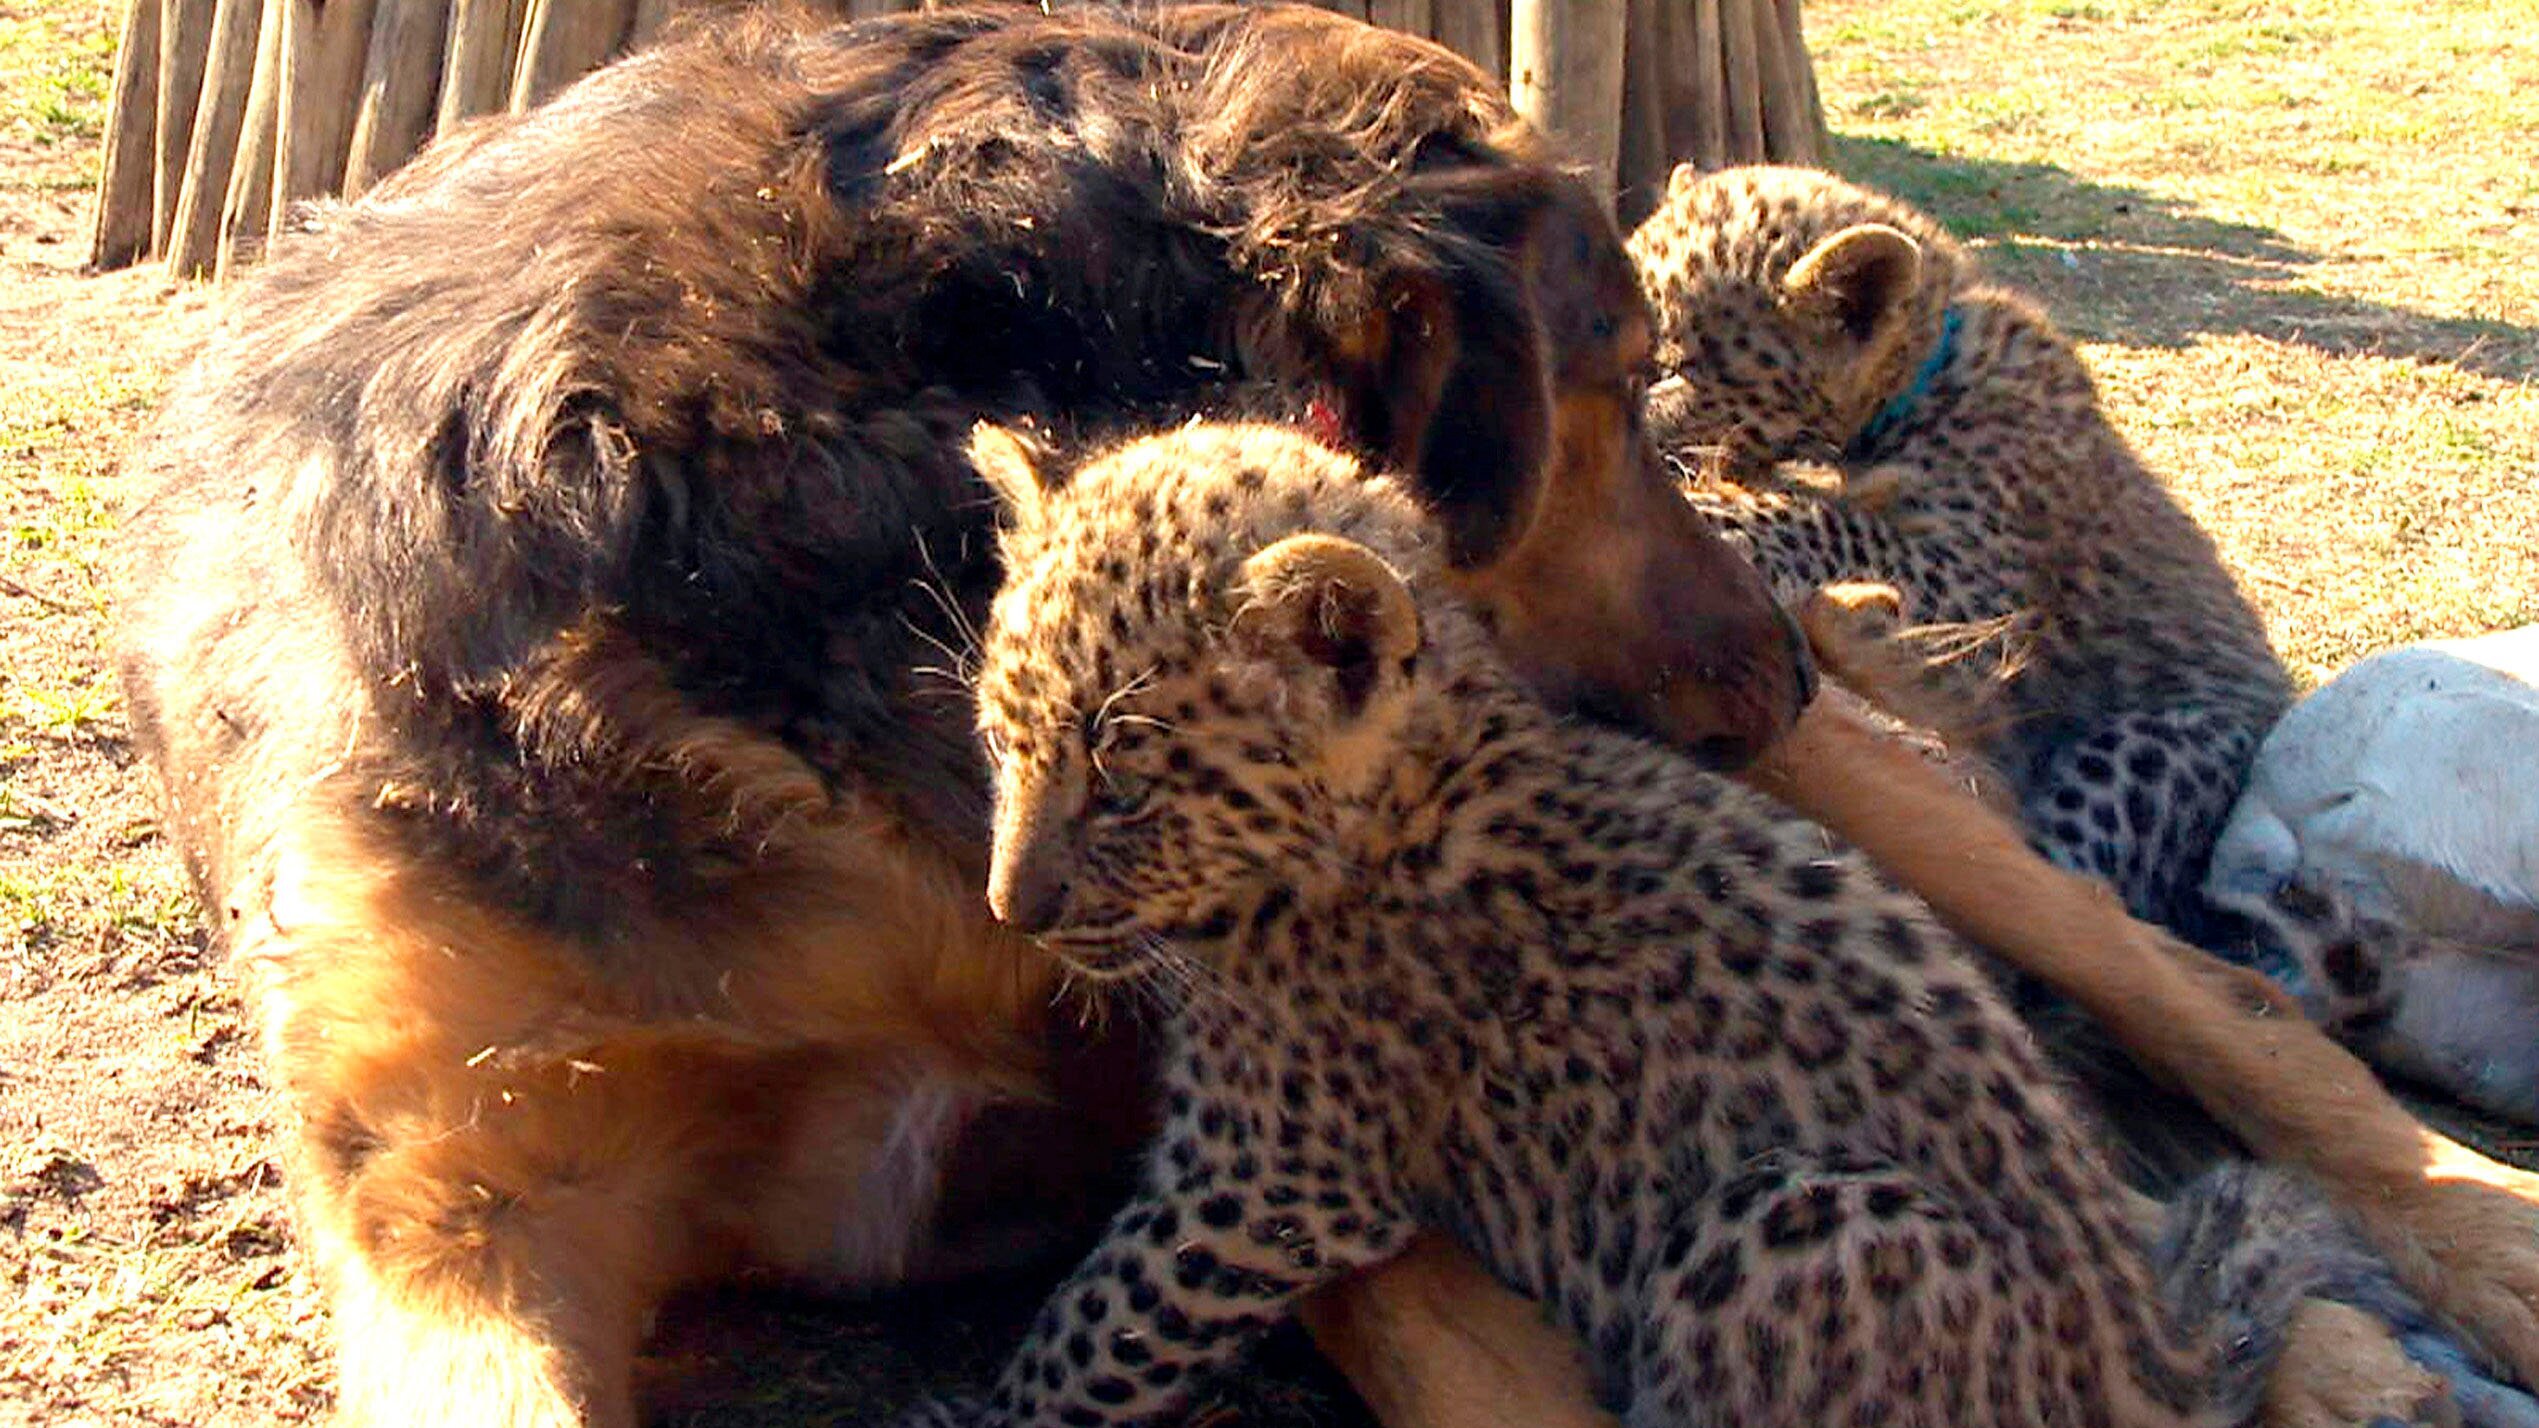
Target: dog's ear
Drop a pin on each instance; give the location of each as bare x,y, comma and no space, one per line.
1450,387
1333,606
1014,468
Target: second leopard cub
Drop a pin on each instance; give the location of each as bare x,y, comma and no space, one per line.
2122,680
1732,1109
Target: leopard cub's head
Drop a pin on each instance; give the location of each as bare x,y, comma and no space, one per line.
1792,307
1205,642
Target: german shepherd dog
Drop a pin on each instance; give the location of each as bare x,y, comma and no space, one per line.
549,608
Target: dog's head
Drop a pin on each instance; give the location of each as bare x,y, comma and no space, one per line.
1484,332
1611,593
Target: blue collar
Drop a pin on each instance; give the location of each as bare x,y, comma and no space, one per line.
1892,415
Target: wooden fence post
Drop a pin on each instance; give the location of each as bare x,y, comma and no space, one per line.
1565,74
1411,17
1474,29
1807,106
185,33
121,234
1709,76
205,149
476,78
650,16
246,211
563,40
323,46
400,87
228,72
1743,104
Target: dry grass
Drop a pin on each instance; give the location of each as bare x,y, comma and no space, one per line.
2301,240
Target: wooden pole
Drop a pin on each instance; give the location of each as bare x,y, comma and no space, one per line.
1411,17
563,40
1706,98
650,16
1811,105
323,46
1744,70
185,32
228,71
121,234
1565,74
1640,176
246,212
476,75
1777,93
401,79
1471,28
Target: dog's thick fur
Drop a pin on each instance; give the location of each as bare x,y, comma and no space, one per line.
549,615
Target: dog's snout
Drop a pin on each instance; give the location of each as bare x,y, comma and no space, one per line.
1802,661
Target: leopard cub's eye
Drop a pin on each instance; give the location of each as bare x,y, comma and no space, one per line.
1120,789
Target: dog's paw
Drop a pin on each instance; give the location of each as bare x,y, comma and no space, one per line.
2465,1238
2341,1368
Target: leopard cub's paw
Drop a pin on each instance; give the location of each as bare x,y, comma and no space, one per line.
1851,624
1874,490
1873,601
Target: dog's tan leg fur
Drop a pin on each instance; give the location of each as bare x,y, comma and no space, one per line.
410,1355
2461,1230
508,1155
1430,1340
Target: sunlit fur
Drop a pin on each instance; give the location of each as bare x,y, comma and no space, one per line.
1734,1110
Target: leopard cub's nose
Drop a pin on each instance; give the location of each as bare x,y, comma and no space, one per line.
1027,885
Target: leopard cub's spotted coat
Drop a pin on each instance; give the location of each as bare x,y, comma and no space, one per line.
1733,1110
2127,680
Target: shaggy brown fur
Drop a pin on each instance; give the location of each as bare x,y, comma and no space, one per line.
550,615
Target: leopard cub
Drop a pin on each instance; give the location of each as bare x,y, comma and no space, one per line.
1806,319
1853,400
1734,1111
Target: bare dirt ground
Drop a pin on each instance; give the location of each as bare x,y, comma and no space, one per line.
2300,238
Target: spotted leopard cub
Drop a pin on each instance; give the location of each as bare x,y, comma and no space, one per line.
1807,324
1735,1112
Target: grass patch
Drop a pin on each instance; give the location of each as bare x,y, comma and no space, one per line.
56,69
63,710
2299,241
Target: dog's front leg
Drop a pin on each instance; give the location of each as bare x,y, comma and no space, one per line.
1431,1340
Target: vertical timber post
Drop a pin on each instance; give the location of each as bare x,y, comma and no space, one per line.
1565,74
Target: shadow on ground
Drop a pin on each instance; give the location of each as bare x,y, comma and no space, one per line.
2156,273
770,1358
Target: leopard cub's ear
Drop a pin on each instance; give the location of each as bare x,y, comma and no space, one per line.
1016,467
1332,605
1857,285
